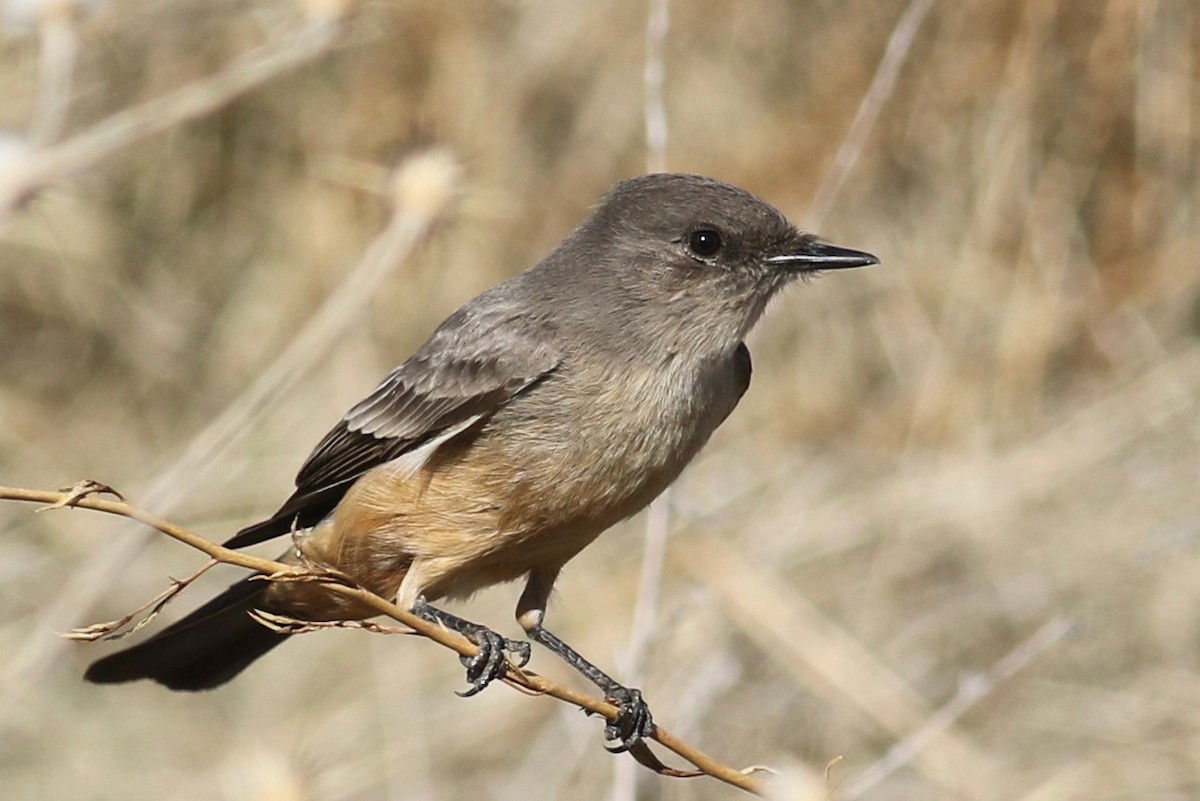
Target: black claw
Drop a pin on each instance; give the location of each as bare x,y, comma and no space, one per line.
490,663
520,650
633,721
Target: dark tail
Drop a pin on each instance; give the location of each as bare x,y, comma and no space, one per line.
203,650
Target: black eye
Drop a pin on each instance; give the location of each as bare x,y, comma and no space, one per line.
704,242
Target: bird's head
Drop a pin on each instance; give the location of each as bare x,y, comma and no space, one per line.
685,253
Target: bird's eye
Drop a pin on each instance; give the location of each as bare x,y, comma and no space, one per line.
704,242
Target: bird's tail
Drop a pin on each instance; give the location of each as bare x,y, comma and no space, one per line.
203,650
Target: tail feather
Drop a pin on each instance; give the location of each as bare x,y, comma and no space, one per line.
203,650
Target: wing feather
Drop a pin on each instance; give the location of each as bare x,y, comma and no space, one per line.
478,360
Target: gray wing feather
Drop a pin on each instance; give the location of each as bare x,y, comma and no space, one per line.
478,359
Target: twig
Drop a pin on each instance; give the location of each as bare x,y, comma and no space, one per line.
420,190
653,77
788,627
970,692
111,630
22,178
894,56
25,178
522,679
658,523
658,518
282,624
56,68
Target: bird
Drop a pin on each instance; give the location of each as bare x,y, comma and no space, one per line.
535,417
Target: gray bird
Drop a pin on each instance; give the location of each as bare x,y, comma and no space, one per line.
536,416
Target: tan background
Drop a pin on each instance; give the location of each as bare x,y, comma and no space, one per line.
991,435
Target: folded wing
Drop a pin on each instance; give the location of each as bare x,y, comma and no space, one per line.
478,360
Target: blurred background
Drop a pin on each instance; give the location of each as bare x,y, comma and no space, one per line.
947,547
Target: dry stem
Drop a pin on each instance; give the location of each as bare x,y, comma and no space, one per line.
309,40
83,496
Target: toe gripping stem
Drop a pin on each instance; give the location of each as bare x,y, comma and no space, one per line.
633,720
490,662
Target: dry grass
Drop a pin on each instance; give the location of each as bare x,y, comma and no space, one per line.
939,459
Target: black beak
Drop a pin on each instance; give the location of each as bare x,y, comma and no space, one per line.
814,255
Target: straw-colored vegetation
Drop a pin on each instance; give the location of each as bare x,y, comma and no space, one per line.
951,535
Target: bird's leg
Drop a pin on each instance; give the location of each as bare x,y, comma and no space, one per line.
633,721
489,663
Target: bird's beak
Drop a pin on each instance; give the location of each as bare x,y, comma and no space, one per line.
813,255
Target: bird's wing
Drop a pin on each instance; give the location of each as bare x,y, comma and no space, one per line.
476,361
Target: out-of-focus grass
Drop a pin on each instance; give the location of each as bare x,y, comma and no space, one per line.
994,429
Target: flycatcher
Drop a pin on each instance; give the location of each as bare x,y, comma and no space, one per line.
536,416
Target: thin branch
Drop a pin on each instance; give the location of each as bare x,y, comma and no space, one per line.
56,69
282,624
645,610
894,56
25,178
523,680
806,642
420,189
113,629
972,691
653,77
658,518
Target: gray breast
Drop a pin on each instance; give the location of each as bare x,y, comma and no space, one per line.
624,431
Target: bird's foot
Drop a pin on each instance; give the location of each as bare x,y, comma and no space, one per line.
492,659
633,721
